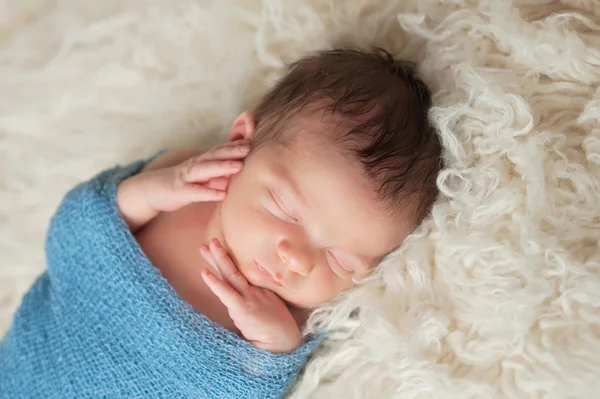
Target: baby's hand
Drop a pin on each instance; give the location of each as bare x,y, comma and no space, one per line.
201,178
261,316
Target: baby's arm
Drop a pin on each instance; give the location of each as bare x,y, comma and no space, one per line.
178,178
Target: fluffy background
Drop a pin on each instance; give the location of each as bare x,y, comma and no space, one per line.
496,295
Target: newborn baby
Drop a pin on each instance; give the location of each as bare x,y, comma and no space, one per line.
329,173
330,186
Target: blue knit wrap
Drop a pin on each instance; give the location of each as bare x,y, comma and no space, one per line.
102,322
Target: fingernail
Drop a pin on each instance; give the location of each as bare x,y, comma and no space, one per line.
236,164
244,149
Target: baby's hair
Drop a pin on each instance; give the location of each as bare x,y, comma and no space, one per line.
380,108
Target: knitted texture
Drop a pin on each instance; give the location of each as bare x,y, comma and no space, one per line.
103,322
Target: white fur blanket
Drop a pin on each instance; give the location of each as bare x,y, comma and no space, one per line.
497,295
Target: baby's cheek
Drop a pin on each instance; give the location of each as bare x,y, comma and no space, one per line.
317,290
242,232
231,224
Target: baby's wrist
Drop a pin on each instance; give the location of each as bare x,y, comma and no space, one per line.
283,346
133,203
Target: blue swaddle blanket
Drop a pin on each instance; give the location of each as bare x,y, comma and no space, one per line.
102,322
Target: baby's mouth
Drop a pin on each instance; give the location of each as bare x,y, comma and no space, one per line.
266,274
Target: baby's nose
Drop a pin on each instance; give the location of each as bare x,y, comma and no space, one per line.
296,258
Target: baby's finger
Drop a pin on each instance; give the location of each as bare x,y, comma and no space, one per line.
205,252
227,294
227,268
199,193
232,150
207,255
218,183
190,172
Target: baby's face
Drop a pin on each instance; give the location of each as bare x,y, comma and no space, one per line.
307,216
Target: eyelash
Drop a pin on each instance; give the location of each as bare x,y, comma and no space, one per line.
284,215
339,266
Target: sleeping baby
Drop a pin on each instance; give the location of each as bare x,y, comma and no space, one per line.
191,273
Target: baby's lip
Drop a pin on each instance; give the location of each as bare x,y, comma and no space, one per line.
266,273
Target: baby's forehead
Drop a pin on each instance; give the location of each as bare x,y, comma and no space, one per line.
340,204
324,138
322,158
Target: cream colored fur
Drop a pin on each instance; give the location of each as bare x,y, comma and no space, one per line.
496,296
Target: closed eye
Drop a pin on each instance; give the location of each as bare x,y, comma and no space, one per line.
338,266
279,209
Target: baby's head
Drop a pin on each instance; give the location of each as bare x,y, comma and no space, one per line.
343,168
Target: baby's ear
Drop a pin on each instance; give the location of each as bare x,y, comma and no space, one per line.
243,127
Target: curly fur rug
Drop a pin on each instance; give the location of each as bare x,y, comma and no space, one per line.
497,295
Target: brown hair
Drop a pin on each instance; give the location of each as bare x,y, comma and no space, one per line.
382,107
